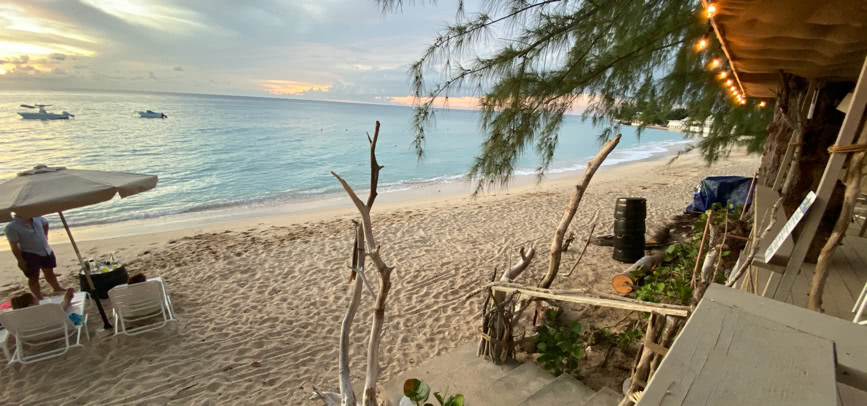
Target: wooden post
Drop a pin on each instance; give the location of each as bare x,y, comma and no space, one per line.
105,324
826,187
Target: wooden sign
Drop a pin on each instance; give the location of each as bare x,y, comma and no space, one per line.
790,225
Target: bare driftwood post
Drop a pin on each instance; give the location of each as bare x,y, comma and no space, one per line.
853,189
346,391
496,341
556,250
365,246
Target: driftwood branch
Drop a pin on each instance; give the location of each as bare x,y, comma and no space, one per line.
556,251
346,391
647,262
519,267
853,189
366,247
593,223
707,223
583,297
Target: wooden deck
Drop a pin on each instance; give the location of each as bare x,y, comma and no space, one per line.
845,281
742,349
848,270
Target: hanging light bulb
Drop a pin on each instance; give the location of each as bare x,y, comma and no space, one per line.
715,63
724,74
762,104
710,11
701,44
729,82
743,101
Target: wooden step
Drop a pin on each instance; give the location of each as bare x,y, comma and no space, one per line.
604,397
512,388
564,390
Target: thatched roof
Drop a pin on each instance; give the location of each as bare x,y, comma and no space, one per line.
823,39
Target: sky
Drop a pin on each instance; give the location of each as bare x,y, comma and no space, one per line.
338,50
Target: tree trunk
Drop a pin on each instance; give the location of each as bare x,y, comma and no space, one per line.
556,251
820,132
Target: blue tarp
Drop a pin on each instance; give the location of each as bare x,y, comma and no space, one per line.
721,189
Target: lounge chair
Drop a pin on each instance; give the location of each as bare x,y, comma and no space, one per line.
39,326
145,305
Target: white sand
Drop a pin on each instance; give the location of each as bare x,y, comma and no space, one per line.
272,290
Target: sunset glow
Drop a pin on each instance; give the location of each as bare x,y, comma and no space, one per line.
323,50
292,87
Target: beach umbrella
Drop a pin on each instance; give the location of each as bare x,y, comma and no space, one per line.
44,190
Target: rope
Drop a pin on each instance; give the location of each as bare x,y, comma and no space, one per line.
845,149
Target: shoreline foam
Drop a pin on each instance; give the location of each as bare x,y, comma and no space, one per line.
214,215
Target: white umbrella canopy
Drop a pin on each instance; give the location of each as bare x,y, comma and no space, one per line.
43,190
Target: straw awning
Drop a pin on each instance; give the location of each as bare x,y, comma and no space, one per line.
811,39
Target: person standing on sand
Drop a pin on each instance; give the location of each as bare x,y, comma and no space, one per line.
28,239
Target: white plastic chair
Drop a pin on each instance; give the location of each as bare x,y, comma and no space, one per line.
860,304
39,326
138,303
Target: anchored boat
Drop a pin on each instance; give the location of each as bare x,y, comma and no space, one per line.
151,114
42,114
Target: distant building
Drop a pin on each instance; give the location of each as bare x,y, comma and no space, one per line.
690,126
676,125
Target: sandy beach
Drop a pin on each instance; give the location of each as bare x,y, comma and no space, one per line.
260,298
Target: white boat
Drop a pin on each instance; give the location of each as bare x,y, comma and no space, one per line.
42,114
151,114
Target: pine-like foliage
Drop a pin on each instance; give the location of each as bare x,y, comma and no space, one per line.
533,62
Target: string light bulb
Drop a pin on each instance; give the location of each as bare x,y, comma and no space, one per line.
710,11
729,82
701,44
715,63
724,74
762,104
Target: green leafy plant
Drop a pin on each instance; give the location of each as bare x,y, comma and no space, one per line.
560,348
622,340
418,392
670,282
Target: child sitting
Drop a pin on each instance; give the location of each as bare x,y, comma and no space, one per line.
27,299
137,278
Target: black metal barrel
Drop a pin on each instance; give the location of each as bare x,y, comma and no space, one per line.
629,216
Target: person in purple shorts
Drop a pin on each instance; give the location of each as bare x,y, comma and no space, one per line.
28,238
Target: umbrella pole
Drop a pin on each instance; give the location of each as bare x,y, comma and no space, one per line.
106,324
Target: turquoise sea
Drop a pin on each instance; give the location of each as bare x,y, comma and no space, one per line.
223,151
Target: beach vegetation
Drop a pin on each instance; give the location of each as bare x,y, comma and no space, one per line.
560,347
532,63
670,282
418,392
622,340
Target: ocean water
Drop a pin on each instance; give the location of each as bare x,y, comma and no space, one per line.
222,151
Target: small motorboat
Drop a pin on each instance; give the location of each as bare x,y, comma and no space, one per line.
42,114
151,114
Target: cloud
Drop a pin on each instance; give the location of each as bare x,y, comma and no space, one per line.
292,87
325,50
